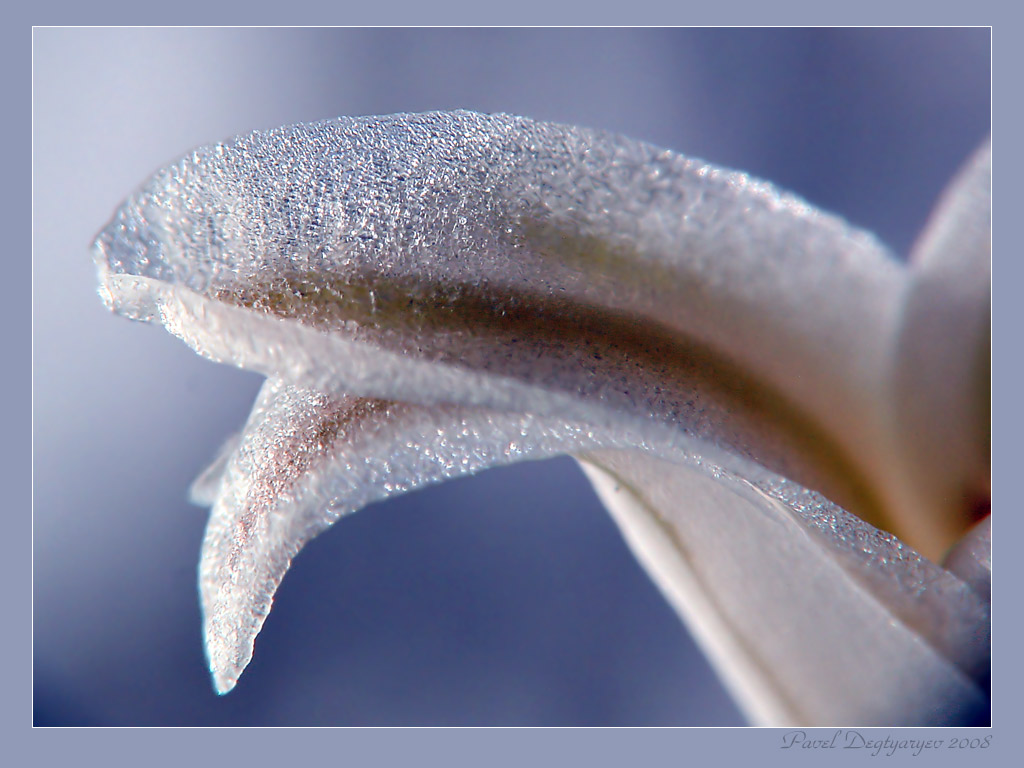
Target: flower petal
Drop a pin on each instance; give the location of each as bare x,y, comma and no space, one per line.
498,262
305,459
971,558
941,365
811,616
448,291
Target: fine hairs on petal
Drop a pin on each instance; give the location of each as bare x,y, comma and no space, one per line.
431,295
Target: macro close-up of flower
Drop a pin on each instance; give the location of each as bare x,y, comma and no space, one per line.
785,411
434,294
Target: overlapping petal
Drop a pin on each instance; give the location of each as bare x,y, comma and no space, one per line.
434,294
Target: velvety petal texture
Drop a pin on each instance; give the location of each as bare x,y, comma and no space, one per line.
306,458
433,294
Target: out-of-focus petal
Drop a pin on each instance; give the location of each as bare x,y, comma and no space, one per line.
971,558
811,616
941,381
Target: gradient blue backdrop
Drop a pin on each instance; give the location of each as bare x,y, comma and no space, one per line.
505,599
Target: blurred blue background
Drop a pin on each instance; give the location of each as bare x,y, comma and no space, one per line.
504,599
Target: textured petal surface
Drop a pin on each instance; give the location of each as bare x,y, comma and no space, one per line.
773,566
495,261
306,458
434,294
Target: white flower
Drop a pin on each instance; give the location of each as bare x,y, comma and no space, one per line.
430,295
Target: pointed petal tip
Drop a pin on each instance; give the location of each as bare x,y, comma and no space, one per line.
228,637
223,684
226,663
